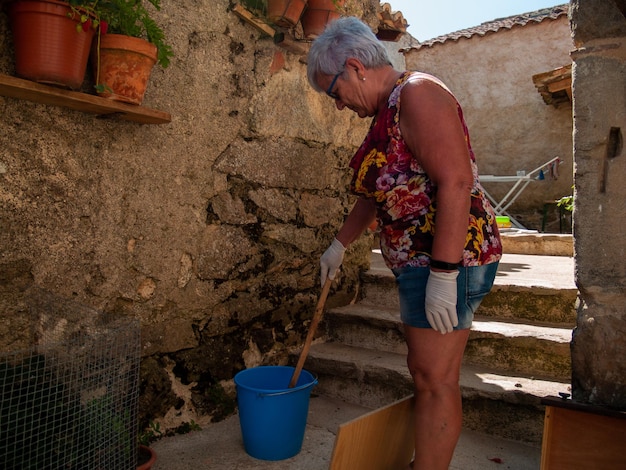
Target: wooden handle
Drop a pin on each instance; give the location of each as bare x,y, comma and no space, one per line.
317,316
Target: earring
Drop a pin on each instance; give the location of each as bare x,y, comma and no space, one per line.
362,79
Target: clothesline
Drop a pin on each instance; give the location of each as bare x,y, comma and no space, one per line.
520,181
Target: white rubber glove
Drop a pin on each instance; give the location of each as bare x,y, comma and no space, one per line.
331,260
441,301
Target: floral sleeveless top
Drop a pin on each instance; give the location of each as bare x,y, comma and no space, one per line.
406,199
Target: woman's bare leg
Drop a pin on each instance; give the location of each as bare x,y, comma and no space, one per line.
434,361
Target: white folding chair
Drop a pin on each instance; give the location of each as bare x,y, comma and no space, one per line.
520,182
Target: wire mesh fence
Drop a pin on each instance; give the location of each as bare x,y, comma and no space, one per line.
70,400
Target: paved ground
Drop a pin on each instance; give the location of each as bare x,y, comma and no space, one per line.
551,272
220,446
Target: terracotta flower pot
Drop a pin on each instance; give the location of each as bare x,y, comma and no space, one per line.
146,458
318,14
285,13
50,45
122,67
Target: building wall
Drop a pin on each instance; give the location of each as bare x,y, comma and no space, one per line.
208,229
511,127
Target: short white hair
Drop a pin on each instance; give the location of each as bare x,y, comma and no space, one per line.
345,38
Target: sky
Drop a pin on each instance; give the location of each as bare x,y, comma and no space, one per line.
431,18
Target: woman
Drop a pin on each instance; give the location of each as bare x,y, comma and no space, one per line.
415,173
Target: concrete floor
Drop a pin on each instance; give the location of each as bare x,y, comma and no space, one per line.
220,446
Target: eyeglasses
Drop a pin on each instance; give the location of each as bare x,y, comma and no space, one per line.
330,91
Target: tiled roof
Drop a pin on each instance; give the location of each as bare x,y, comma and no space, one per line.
498,24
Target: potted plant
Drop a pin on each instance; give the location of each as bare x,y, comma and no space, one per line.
52,39
123,58
285,13
146,458
318,14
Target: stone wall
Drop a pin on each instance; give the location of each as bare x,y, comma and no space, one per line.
208,229
510,125
599,345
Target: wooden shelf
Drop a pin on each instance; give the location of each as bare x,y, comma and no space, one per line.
31,91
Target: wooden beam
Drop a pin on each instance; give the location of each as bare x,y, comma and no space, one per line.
559,85
289,44
249,18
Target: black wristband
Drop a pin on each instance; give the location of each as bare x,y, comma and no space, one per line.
435,263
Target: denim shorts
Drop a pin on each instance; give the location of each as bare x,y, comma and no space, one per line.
473,283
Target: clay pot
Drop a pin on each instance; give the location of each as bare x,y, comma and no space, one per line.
318,14
146,458
285,13
122,67
51,47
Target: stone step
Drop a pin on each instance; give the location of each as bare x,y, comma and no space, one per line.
517,348
366,325
531,288
537,351
525,242
496,404
517,353
528,242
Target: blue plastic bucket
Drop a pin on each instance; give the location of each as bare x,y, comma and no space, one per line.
272,415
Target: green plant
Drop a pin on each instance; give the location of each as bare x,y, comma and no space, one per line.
187,427
85,13
108,435
566,202
89,15
153,432
150,434
132,18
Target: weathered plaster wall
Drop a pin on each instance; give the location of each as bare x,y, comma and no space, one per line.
511,127
208,229
599,343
